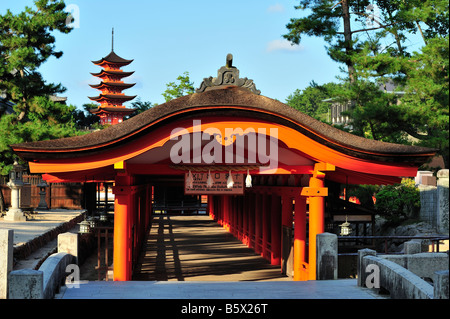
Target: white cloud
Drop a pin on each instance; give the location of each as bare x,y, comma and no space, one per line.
276,8
283,45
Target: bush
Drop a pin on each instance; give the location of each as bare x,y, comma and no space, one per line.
398,202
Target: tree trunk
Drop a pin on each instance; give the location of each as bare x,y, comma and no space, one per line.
348,40
2,203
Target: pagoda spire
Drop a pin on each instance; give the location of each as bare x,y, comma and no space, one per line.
111,99
112,40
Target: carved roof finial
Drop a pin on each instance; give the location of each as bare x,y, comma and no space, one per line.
227,75
229,62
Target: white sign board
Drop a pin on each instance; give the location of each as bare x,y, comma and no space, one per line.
198,184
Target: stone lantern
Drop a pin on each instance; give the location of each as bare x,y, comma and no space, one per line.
16,184
42,192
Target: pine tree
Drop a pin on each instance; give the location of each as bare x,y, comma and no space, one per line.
26,42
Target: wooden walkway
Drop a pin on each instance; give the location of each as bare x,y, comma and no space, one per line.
195,248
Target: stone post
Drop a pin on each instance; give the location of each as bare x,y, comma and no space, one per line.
68,243
412,247
327,256
442,201
440,281
6,259
26,284
361,271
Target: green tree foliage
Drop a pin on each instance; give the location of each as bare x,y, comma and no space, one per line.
175,90
85,119
141,106
311,100
398,202
26,42
372,39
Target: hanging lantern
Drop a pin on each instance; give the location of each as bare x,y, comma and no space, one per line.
248,180
209,181
85,227
345,228
230,181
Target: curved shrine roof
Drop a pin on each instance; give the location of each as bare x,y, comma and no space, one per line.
227,101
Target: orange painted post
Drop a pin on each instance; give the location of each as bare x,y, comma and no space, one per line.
316,223
300,273
122,243
275,230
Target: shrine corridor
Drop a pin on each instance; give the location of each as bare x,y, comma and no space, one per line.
196,248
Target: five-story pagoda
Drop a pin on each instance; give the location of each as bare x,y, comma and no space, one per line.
111,111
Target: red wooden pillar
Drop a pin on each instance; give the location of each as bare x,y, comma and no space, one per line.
210,207
239,217
245,218
265,226
226,211
258,223
251,220
286,222
122,234
275,230
234,216
149,206
300,272
219,200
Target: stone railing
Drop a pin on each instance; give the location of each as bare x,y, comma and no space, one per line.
45,282
403,275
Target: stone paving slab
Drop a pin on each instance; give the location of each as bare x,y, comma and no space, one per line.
39,223
326,289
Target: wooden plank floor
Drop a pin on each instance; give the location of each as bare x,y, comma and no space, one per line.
195,248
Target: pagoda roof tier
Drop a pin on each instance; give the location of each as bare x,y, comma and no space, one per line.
112,58
106,97
121,74
112,84
122,110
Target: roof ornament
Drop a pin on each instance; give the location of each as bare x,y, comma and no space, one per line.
227,75
112,40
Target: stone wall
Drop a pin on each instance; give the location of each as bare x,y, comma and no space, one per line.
434,199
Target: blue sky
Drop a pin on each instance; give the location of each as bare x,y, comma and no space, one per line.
167,38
